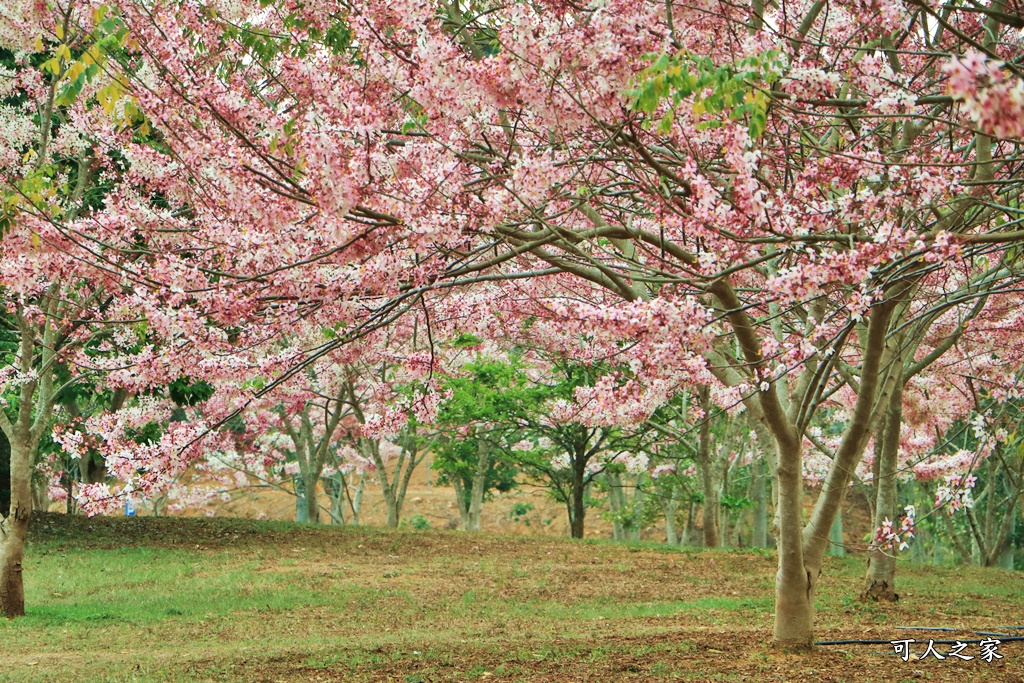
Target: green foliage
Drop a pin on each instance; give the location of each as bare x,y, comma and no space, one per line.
70,66
733,502
464,339
519,511
186,392
474,422
734,89
419,522
303,37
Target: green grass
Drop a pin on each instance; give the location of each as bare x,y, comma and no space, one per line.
230,600
144,586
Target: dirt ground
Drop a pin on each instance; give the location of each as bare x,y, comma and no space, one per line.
437,505
418,606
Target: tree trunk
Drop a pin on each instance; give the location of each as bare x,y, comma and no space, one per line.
689,533
759,533
880,582
13,529
392,506
394,491
312,505
1000,553
578,508
334,488
636,516
391,501
616,504
5,475
835,537
476,492
397,490
461,502
712,509
301,509
1006,556
357,499
709,481
794,582
40,496
669,504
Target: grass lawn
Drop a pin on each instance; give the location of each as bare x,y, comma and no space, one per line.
142,599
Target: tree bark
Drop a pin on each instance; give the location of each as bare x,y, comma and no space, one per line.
880,582
387,487
1000,553
835,537
616,504
460,501
578,507
391,503
760,510
13,529
357,499
394,490
301,509
334,488
5,475
1005,560
312,506
794,582
636,513
709,481
476,492
40,496
689,529
670,504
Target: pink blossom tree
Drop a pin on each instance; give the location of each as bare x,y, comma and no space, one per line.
782,192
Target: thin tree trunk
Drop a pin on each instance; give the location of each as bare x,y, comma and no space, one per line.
357,499
835,537
13,529
801,550
334,488
476,494
1000,553
711,514
688,530
312,505
461,502
391,503
301,509
709,482
616,504
880,582
637,518
1006,556
958,544
394,494
40,496
386,485
670,504
760,510
5,475
337,512
578,508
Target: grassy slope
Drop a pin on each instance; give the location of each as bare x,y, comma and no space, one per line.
236,600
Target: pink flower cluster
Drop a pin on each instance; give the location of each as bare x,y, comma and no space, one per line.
887,538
